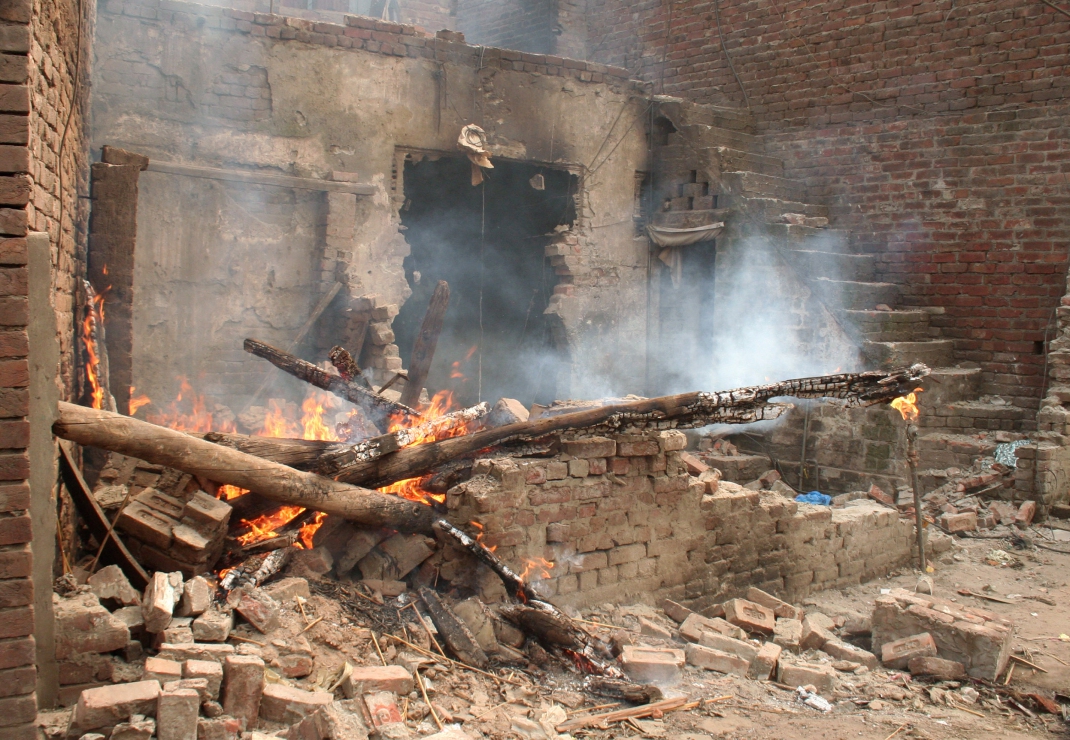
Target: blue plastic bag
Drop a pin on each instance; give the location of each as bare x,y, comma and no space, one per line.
814,497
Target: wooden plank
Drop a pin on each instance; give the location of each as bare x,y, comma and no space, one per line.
261,178
96,520
423,349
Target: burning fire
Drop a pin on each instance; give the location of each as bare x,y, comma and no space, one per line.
94,316
536,568
907,405
136,402
479,537
424,430
189,413
229,493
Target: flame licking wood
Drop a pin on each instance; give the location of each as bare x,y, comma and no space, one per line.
536,569
94,317
433,426
907,405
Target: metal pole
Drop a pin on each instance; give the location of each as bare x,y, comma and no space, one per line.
919,521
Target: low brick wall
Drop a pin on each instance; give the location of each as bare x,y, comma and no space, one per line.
623,521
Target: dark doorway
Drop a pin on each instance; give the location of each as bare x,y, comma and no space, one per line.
686,327
488,242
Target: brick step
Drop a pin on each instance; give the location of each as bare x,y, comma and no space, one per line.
957,416
946,385
834,265
769,210
934,353
737,160
688,219
891,326
754,183
855,296
808,238
701,135
941,450
733,119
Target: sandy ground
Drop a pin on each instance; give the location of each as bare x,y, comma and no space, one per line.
904,708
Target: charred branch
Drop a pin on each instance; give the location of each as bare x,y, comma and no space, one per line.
271,480
380,409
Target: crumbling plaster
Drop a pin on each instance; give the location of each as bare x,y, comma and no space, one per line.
334,110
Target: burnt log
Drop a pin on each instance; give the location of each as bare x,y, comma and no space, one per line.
161,446
423,349
379,409
686,410
453,631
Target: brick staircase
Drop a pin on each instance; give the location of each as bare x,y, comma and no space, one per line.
958,424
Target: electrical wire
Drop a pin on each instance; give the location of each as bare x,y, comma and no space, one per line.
731,66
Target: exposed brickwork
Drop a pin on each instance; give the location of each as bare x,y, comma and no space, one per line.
434,15
524,25
935,134
42,168
645,530
358,32
967,213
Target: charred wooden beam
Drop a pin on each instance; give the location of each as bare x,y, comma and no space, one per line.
379,409
283,484
346,366
686,410
423,349
453,631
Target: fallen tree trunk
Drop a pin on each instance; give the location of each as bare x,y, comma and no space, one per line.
161,446
380,409
687,410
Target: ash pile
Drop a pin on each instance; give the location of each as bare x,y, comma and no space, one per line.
252,587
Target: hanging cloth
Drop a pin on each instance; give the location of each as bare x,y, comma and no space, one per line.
671,240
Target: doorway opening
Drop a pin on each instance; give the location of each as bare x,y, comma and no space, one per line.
686,323
488,242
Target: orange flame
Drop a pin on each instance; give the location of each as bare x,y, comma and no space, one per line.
94,316
907,405
136,402
189,413
229,492
267,525
537,568
479,537
425,431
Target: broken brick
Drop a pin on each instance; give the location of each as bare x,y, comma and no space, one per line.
946,670
846,651
1026,512
651,665
392,678
243,685
693,464
176,714
962,522
804,674
212,626
84,626
695,624
162,670
106,706
787,633
289,705
209,670
764,664
111,584
739,648
257,608
158,604
897,654
750,616
712,659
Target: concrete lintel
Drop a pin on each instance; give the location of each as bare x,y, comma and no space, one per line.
259,178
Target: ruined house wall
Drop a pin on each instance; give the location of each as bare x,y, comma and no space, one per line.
43,159
623,521
935,133
230,89
524,25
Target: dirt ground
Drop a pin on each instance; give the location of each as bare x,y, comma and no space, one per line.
904,708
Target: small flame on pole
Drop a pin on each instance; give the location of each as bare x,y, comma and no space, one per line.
907,405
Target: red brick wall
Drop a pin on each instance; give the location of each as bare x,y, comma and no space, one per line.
936,132
39,44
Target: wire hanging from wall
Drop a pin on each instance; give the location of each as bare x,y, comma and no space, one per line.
720,33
